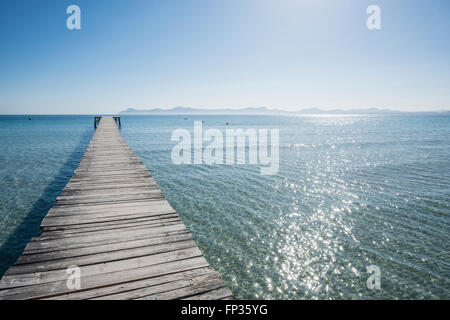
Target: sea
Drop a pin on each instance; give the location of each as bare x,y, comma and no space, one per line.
359,207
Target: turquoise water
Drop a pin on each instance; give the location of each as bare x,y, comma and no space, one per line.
351,191
37,159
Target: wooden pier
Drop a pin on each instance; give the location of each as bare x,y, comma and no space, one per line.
113,225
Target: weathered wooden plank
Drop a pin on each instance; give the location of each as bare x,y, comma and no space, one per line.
66,253
118,177
188,290
107,207
138,284
27,279
74,223
160,289
109,195
99,281
84,218
117,199
86,187
100,235
74,195
99,257
30,249
117,226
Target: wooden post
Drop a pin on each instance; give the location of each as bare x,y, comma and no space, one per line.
117,120
96,121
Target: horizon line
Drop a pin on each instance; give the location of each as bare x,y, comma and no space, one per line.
354,111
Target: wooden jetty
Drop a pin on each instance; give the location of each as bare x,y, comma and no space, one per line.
113,223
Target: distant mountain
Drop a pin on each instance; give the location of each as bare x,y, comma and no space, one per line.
183,110
257,110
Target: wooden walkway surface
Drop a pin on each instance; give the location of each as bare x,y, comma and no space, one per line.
113,222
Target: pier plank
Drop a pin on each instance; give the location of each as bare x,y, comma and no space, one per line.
51,289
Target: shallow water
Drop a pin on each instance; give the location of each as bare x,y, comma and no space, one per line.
38,157
351,191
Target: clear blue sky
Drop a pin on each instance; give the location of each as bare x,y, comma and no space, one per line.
287,54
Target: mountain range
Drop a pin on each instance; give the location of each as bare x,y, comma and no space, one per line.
257,110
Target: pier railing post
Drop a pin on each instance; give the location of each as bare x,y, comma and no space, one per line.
117,120
96,121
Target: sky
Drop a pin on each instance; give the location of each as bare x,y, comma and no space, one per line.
281,54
